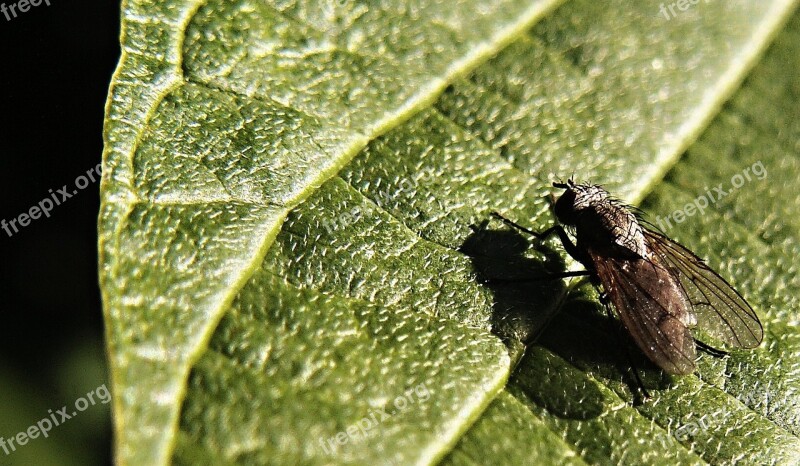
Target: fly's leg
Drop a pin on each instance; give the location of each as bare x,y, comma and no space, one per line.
549,276
717,353
569,246
552,276
521,228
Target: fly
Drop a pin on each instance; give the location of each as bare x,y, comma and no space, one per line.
659,288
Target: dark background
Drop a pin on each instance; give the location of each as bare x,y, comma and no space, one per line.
55,66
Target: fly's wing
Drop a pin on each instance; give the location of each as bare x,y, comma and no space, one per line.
652,307
720,310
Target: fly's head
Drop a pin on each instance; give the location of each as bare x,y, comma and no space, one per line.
576,197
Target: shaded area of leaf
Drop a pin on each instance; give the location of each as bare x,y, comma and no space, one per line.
516,281
590,416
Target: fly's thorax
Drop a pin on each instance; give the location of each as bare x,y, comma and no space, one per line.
612,227
601,223
577,200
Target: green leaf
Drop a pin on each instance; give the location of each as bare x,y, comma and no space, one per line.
222,117
742,409
225,117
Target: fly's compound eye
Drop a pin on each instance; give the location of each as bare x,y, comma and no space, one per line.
565,207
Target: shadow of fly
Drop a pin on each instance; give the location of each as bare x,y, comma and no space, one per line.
659,289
